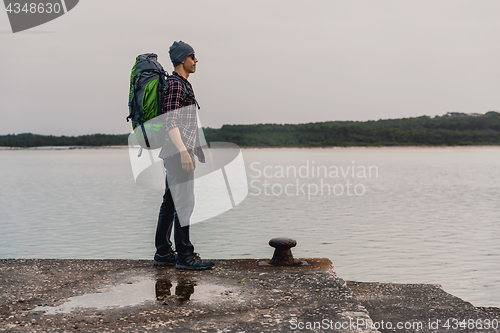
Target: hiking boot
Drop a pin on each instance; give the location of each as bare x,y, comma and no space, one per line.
193,262
168,259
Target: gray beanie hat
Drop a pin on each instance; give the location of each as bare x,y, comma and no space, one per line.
179,51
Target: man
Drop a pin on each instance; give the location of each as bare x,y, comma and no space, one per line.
179,106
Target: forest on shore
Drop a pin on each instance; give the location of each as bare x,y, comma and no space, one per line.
451,129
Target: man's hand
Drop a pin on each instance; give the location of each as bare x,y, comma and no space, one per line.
187,162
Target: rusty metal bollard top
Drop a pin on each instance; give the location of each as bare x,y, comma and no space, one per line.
282,243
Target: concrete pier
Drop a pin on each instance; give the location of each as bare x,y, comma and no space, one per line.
45,295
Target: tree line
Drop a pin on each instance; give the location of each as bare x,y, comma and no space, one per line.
27,140
449,130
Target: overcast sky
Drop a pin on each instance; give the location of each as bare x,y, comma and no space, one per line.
259,61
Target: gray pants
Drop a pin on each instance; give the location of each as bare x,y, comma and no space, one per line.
176,209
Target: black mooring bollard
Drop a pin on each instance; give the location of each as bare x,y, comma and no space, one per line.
282,254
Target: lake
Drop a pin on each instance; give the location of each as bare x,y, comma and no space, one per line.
404,215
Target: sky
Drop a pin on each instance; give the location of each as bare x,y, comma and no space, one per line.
273,61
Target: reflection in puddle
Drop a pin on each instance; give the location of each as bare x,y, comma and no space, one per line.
187,289
183,290
141,291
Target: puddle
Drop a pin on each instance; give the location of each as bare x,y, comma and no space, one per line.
141,291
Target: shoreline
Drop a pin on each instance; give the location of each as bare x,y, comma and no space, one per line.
253,148
63,147
380,147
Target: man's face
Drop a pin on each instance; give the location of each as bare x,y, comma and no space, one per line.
190,64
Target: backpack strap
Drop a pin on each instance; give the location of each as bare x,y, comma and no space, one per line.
131,106
187,94
132,97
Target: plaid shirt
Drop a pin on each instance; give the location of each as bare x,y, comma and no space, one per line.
180,111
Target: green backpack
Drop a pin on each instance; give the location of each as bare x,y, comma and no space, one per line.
147,81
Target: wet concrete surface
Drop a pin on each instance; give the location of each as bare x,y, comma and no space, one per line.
44,295
423,308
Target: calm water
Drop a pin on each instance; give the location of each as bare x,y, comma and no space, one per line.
421,215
